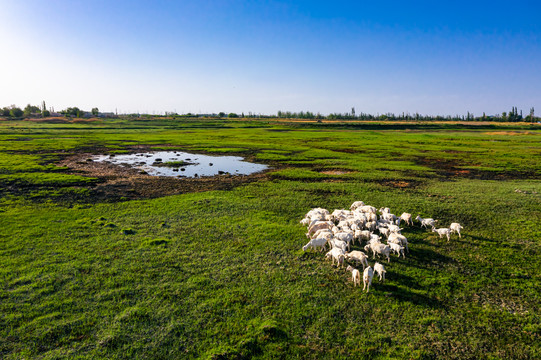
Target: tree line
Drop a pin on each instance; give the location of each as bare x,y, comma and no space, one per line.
514,115
13,111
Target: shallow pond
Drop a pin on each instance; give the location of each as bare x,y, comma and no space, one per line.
182,164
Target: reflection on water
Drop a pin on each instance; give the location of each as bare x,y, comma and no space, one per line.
176,163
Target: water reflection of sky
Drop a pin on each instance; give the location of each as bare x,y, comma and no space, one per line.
203,165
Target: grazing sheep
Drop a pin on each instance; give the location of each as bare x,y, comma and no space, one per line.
345,236
371,217
358,256
456,227
364,234
380,249
394,228
384,231
426,222
389,217
380,271
318,225
407,218
371,225
398,239
374,239
323,233
336,243
368,209
397,249
368,274
356,275
315,243
443,231
356,205
336,254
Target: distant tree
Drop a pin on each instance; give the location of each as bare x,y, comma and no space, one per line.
15,112
46,113
43,107
531,116
221,114
232,115
30,109
4,111
95,111
72,111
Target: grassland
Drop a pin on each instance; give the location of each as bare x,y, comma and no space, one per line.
221,274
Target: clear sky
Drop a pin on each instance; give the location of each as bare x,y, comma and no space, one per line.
431,57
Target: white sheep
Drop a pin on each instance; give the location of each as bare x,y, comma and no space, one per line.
344,236
407,218
368,274
315,243
371,225
336,243
326,233
358,256
398,239
318,225
443,231
394,228
368,209
355,274
380,249
374,239
426,222
389,217
397,249
356,205
380,271
363,234
456,227
336,254
384,231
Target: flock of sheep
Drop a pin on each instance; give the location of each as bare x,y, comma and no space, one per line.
340,230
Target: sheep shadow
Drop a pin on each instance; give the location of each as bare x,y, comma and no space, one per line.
473,237
402,294
428,257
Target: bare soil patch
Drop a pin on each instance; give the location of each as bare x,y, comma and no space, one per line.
336,172
510,133
400,184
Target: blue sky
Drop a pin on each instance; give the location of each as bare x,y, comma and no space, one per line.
430,57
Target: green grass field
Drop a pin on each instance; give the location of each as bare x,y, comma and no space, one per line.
221,274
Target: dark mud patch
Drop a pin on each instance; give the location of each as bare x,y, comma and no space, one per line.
117,183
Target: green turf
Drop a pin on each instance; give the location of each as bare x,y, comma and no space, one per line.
221,274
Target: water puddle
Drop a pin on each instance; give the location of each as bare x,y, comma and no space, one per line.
182,164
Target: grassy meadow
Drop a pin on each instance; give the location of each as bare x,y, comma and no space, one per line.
220,274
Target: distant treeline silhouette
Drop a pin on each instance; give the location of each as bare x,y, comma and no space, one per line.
512,116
